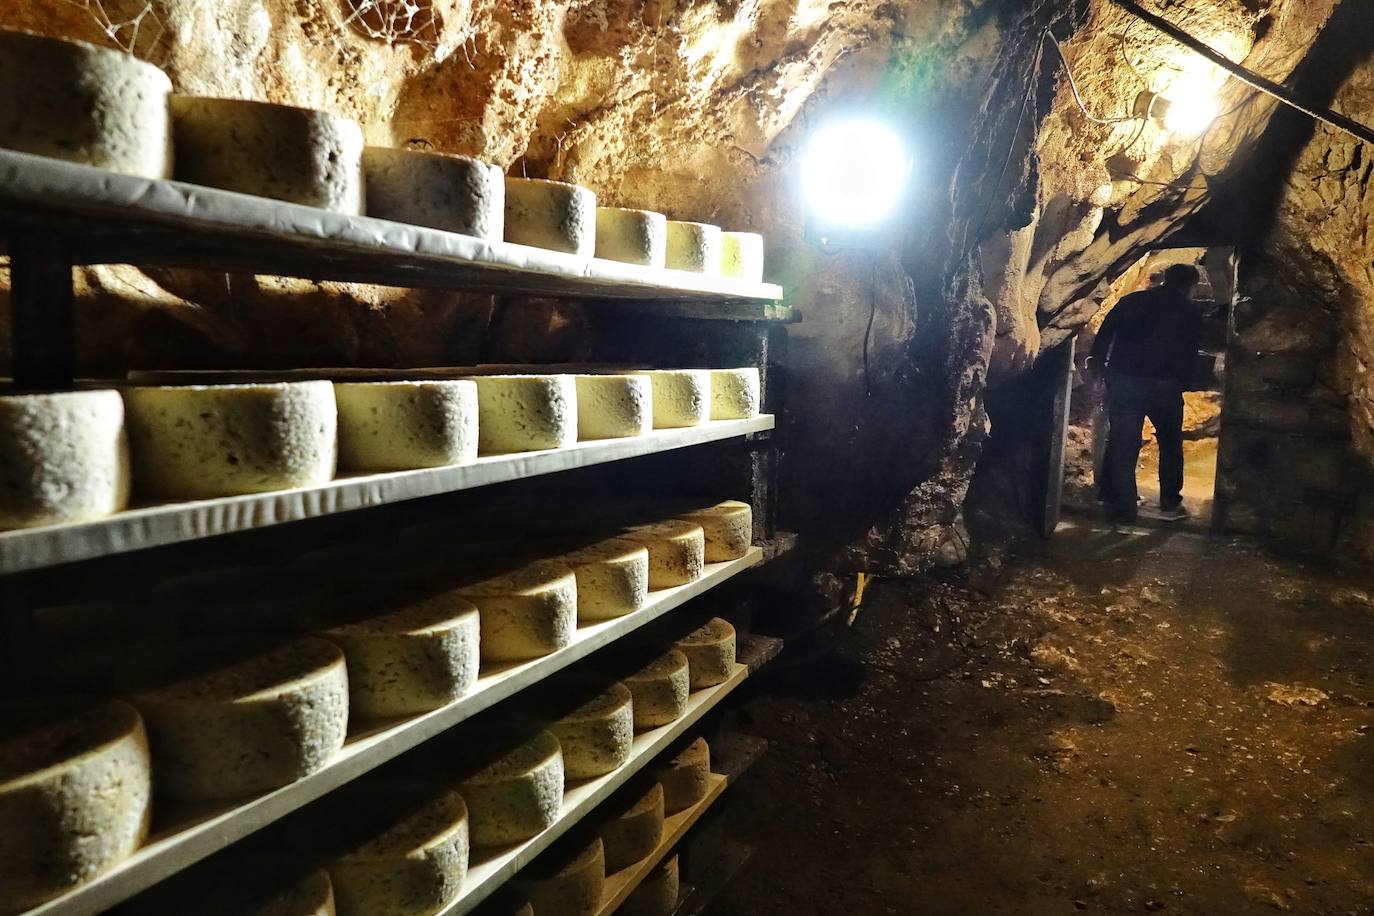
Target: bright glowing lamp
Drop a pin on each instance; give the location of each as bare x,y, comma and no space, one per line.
854,172
1191,114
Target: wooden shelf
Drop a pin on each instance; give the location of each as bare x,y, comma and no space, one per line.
487,874
182,839
152,526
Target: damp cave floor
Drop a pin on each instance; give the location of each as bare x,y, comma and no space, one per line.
1126,724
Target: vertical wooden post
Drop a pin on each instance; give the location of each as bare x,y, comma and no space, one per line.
1061,375
43,323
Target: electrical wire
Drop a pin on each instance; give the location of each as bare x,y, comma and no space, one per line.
1073,83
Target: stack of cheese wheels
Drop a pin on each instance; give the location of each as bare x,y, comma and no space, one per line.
518,794
525,413
397,426
677,551
313,895
613,406
660,690
612,578
551,214
597,736
415,864
656,894
632,236
203,441
633,826
681,397
728,527
250,726
410,660
563,884
741,256
735,394
297,155
526,613
710,652
97,106
63,457
686,778
693,246
75,791
453,193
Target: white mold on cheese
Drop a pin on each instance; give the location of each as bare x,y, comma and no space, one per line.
634,827
728,527
612,578
681,397
551,214
660,690
526,613
453,193
735,394
525,413
693,246
677,551
397,426
710,651
63,458
633,236
517,795
741,256
559,885
686,778
613,406
597,736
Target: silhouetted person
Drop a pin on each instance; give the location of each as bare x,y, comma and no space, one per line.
1148,345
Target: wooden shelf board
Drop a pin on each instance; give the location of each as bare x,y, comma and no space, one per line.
756,651
733,754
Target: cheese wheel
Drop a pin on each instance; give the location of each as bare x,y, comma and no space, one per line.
710,651
693,246
525,413
559,885
741,256
203,441
677,551
597,736
251,726
298,155
517,795
526,613
686,778
613,406
551,214
441,191
63,456
681,397
612,578
397,426
82,103
735,394
656,895
632,236
313,895
728,527
75,792
416,865
410,660
634,827
660,690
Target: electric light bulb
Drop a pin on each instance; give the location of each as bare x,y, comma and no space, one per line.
854,172
1191,114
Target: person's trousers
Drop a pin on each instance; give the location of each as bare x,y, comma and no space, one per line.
1129,401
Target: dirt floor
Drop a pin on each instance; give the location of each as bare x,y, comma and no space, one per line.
1131,724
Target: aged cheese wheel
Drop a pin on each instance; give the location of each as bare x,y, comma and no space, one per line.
632,236
694,247
251,726
677,551
613,406
741,256
517,795
660,690
598,736
559,885
735,394
396,426
313,895
416,865
297,155
76,101
202,441
685,778
453,193
75,792
551,214
656,894
612,578
633,828
682,397
526,613
63,456
525,413
710,651
729,529
410,660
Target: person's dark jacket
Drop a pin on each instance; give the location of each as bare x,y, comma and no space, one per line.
1153,334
